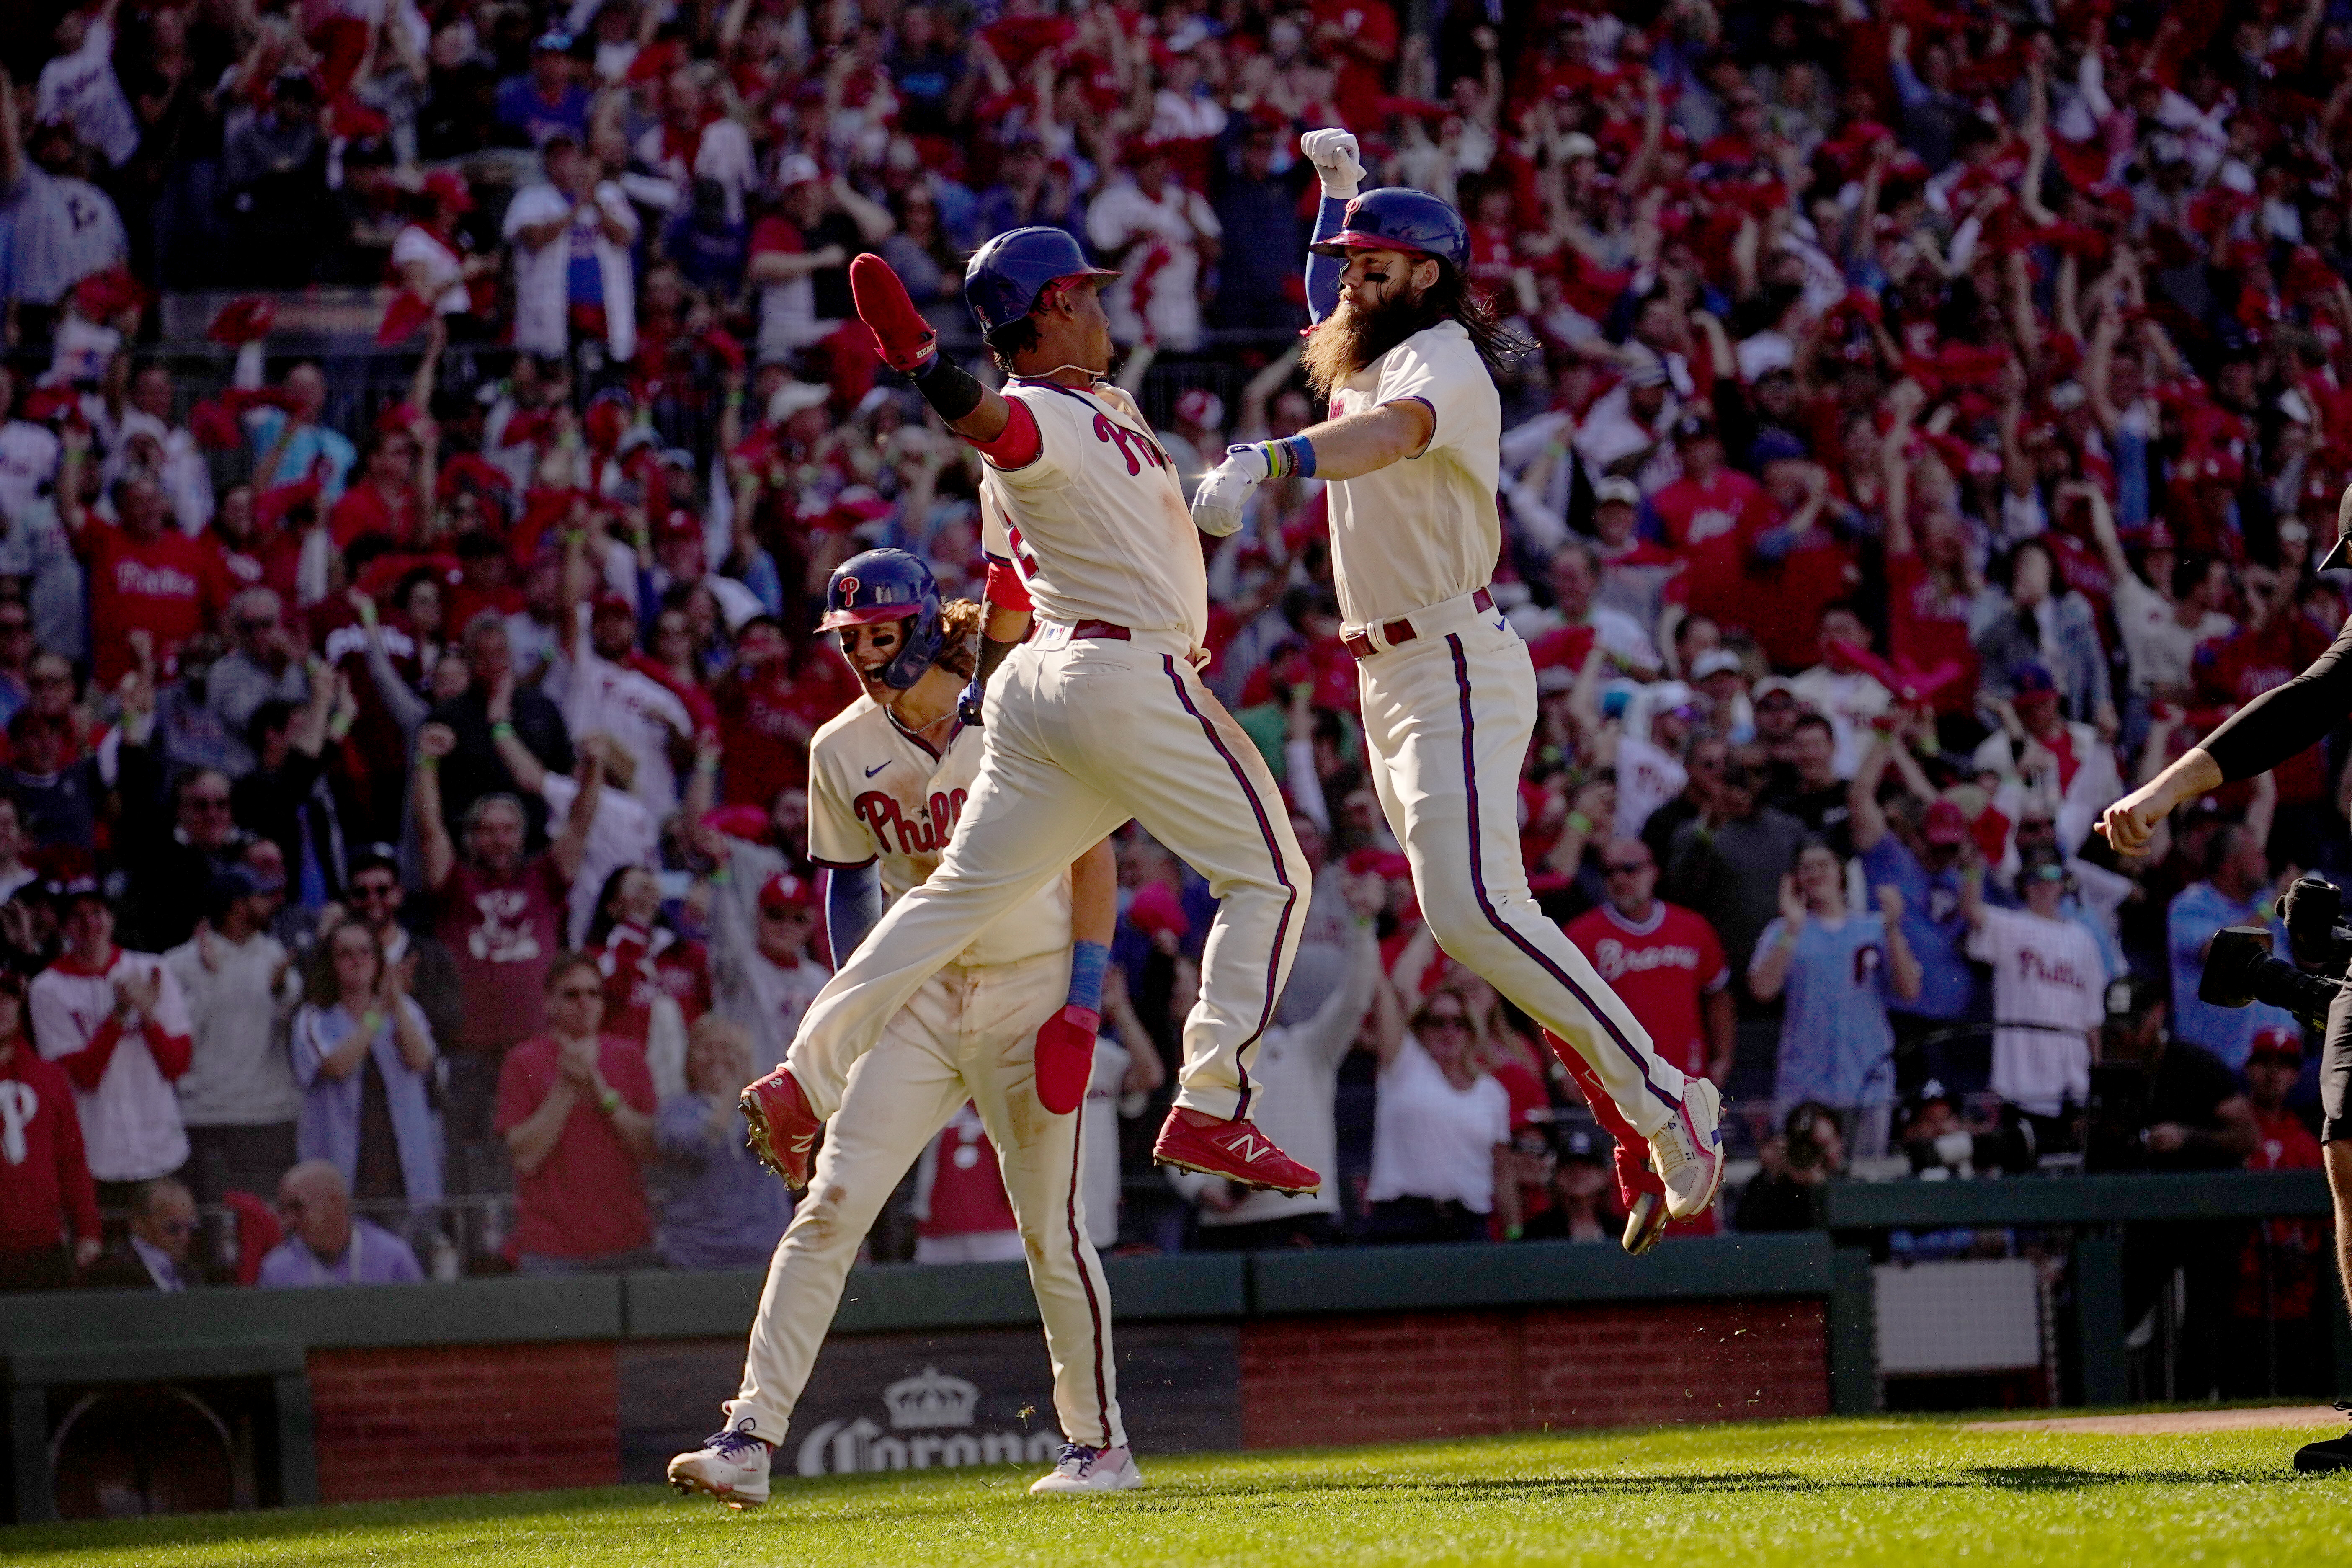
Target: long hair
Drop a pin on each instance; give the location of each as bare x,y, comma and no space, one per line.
1345,342
320,987
959,620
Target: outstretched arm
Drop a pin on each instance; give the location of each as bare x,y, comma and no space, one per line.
1342,169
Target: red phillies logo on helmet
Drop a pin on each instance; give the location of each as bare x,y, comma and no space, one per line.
1348,217
848,593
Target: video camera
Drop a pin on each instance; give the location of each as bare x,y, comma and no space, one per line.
2240,967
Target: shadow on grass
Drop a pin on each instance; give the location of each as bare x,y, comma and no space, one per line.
570,1511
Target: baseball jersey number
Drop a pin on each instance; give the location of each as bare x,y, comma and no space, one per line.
1023,562
1106,430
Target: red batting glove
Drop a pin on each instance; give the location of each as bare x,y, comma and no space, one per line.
907,340
1065,1058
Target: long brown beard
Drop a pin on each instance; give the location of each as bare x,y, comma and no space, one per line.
1347,340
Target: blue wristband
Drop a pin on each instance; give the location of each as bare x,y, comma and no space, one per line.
1302,455
1089,959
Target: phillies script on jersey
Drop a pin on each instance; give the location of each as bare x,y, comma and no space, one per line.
880,813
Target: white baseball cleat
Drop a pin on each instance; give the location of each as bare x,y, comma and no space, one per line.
729,1466
1687,1152
1084,1470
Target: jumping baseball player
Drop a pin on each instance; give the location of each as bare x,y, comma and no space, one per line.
1098,718
1402,348
889,779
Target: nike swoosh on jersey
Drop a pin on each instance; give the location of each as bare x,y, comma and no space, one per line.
876,769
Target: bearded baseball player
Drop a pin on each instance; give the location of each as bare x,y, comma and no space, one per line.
888,778
1098,718
1403,351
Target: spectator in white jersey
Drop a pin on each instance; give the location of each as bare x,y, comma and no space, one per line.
590,679
2049,992
65,227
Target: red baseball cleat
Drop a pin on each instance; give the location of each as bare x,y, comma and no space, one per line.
1064,1058
783,1127
1236,1151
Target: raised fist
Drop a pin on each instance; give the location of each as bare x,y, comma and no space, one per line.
1337,160
1225,490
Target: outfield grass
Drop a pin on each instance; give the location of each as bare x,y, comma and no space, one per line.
1921,1493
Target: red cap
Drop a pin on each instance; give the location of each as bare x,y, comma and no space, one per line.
611,604
678,523
449,188
783,893
2277,1041
1943,823
744,822
1155,909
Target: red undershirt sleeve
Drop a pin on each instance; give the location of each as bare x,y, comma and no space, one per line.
1018,444
173,1053
87,1065
1004,586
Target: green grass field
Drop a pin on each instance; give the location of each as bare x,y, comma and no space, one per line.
1787,1495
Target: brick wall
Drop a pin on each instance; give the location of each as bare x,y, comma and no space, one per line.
433,1420
1403,1376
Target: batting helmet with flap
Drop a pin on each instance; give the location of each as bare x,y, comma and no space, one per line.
1396,217
888,585
1005,276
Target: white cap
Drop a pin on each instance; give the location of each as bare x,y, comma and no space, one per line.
797,169
1715,661
1577,144
793,396
1618,489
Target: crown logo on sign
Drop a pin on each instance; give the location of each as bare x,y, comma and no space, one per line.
930,1399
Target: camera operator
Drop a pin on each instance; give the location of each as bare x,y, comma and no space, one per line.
2161,1104
2266,732
1785,1194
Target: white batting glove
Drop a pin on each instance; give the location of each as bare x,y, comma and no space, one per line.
1225,490
1337,161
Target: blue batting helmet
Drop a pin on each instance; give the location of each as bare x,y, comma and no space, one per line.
1005,276
888,585
1395,218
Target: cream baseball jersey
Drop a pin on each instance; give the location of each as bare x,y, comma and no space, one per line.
876,792
1095,523
1423,530
2049,989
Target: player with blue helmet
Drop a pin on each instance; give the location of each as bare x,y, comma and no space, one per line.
1099,718
1405,350
1000,1026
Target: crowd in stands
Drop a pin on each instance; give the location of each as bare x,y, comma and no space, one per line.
1932,421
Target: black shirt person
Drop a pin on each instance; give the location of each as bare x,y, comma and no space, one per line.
2273,727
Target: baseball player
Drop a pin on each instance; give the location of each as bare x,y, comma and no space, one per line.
1402,348
889,779
1098,718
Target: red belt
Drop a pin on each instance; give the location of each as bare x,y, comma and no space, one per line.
1106,631
1401,629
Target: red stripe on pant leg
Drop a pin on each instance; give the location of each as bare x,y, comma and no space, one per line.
1077,1260
1487,905
1281,875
